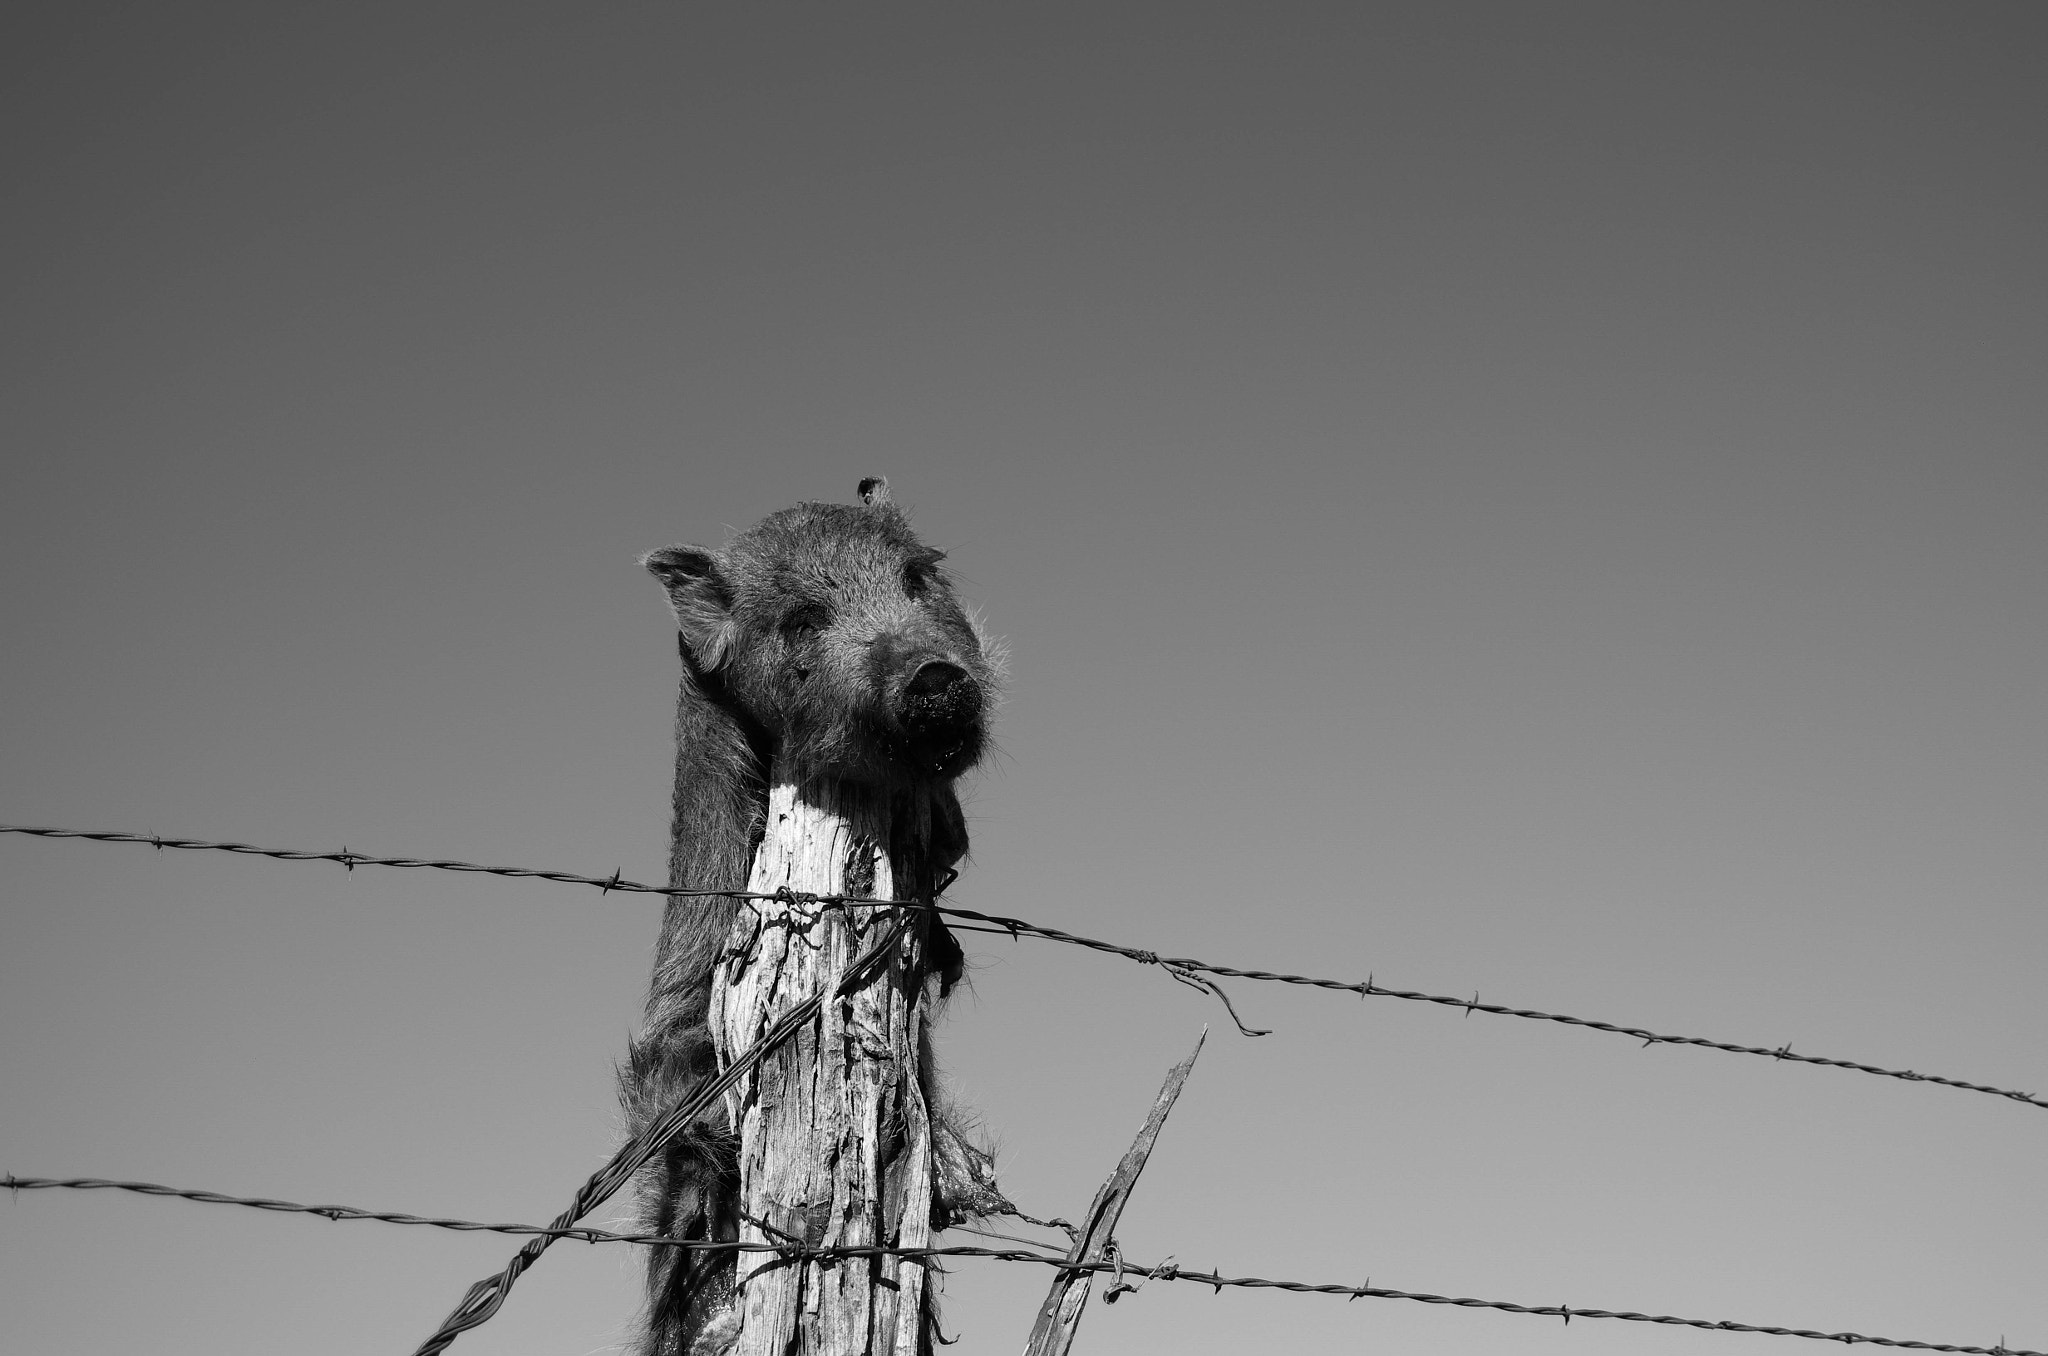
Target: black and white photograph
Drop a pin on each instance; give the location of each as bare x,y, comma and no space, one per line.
707,679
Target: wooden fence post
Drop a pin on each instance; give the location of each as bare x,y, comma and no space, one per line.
1059,1318
835,1136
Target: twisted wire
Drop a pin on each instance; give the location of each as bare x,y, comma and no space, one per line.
486,1297
1018,927
1166,1271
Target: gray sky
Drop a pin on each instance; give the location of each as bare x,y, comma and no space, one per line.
1536,499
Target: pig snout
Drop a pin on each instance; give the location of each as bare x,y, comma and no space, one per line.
940,710
940,697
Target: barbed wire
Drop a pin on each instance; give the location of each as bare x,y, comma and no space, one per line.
352,860
487,1296
1165,1271
1182,967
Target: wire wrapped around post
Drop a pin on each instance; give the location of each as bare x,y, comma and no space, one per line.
485,1297
835,1132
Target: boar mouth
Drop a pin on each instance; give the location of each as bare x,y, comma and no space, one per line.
953,757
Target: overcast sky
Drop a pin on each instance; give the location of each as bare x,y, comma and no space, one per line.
1542,500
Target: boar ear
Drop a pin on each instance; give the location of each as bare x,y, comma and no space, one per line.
701,597
874,491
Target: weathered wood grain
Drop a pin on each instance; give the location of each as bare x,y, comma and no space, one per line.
835,1139
1059,1318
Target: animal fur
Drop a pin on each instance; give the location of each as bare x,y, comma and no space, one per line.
826,640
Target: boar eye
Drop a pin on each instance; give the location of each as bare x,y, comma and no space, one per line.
918,572
805,619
